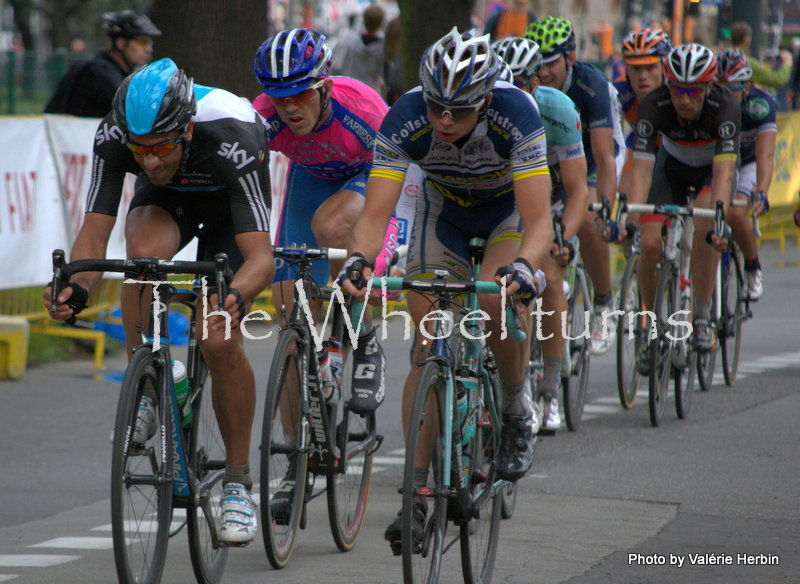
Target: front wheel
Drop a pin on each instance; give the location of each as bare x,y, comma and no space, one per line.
141,490
422,555
630,328
707,360
575,381
348,489
661,348
284,460
734,311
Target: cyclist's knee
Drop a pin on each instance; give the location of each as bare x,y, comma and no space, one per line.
216,348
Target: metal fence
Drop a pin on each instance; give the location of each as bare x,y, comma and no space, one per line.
28,78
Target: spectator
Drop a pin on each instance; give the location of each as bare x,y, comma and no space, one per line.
363,56
393,61
511,21
88,88
741,35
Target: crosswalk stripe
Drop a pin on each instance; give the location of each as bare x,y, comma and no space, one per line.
142,527
33,560
79,543
7,577
594,408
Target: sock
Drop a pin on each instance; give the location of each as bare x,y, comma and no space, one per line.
238,474
421,477
602,300
511,398
552,371
751,265
702,310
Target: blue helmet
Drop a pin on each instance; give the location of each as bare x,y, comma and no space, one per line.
459,69
290,61
156,100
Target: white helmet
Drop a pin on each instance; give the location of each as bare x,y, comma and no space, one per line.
459,69
692,63
522,55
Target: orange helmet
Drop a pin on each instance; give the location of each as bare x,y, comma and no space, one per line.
645,47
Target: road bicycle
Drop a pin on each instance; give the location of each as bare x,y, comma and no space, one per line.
305,435
455,429
576,359
182,465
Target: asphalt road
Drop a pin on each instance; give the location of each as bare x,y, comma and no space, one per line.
618,501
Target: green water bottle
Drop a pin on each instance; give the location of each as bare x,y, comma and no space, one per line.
182,392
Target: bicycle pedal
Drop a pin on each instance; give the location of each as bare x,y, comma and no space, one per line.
397,547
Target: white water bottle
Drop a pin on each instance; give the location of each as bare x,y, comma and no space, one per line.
327,381
182,391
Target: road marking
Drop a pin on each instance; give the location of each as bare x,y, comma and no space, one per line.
140,527
7,577
77,543
33,561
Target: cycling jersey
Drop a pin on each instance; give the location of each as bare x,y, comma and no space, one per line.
508,144
630,106
714,135
758,115
342,146
226,157
562,125
596,100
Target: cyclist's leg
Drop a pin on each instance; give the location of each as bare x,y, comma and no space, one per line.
553,301
742,227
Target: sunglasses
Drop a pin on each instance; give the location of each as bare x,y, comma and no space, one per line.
301,98
689,91
522,83
737,87
143,41
456,113
159,150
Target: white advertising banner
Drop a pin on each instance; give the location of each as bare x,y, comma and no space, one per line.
31,220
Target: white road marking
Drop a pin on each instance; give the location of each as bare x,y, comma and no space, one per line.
78,543
33,560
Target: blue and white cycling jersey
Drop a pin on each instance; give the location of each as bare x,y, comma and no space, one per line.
562,125
758,115
508,144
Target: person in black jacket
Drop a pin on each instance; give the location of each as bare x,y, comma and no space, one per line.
88,88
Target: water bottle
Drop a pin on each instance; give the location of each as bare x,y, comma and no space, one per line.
336,358
182,392
327,382
466,390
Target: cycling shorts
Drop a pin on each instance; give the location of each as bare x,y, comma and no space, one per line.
304,195
442,230
746,185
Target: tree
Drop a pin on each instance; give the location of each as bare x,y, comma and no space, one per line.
214,42
424,22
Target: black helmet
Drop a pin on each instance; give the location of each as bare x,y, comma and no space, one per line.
128,24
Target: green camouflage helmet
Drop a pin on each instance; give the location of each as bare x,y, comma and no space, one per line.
554,35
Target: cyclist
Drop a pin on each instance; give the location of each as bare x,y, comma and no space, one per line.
481,148
756,157
569,196
326,126
200,155
699,122
643,52
596,100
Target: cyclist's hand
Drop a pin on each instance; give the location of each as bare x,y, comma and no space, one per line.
354,275
235,306
521,280
719,244
564,255
71,301
760,203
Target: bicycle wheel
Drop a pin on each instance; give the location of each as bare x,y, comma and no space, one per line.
734,311
479,535
661,347
141,493
283,458
707,361
348,490
685,374
629,322
575,383
508,494
422,559
206,455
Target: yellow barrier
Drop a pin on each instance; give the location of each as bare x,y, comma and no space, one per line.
13,346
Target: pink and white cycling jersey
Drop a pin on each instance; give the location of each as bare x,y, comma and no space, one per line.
342,146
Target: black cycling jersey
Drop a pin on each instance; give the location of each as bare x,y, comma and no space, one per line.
714,135
227,160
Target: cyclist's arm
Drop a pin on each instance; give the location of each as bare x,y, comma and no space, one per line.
641,180
723,171
602,140
532,195
573,175
258,267
765,155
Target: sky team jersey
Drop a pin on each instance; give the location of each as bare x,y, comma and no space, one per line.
227,153
343,146
758,115
714,135
562,125
596,100
508,144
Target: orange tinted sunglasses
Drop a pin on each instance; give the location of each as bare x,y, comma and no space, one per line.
159,150
300,99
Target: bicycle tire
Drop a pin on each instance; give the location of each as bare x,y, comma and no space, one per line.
575,385
707,361
629,303
141,501
684,376
421,564
348,490
479,536
734,312
661,347
206,456
280,532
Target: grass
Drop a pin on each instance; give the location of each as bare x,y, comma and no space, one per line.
47,349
